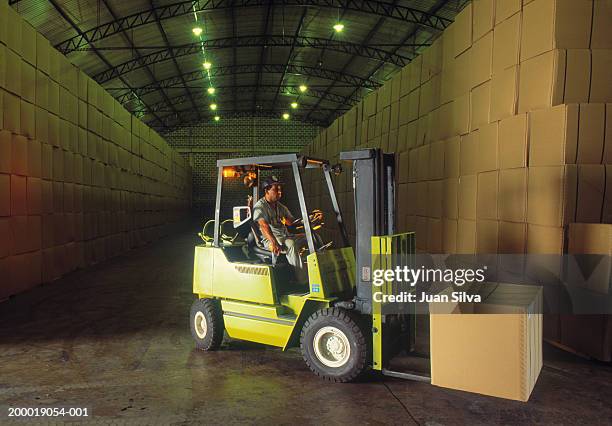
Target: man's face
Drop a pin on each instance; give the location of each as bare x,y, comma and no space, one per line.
274,193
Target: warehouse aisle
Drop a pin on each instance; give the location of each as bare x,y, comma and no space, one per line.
115,339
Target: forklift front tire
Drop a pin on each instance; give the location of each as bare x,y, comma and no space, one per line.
207,326
334,345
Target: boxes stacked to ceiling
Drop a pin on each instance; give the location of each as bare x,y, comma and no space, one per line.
81,180
502,130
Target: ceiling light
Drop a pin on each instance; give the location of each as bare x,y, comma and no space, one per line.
285,116
217,118
213,106
339,27
303,88
197,31
294,105
211,90
207,65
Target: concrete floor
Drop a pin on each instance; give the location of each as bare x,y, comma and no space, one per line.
115,339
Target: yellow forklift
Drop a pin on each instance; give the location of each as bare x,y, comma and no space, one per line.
243,290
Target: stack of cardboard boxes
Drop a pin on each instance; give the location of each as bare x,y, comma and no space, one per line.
502,130
81,180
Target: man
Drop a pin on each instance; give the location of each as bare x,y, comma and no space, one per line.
273,217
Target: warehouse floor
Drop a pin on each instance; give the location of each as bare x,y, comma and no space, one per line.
115,339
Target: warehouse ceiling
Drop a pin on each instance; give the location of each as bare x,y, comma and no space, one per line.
148,56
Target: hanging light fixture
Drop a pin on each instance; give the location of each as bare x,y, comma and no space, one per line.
294,105
211,90
207,65
217,118
213,106
285,116
338,26
197,31
303,88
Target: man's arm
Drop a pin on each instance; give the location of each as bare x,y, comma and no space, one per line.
267,232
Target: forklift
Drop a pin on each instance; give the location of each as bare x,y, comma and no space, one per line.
245,291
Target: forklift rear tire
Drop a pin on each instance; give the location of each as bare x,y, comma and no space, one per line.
207,326
334,345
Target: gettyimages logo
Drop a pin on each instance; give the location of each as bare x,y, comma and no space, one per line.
412,276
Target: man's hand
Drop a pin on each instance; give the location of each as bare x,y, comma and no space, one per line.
274,247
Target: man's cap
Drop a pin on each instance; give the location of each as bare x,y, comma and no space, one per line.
269,181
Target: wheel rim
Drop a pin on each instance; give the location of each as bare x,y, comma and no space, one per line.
331,347
200,324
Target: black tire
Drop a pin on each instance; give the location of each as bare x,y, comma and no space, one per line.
335,322
207,336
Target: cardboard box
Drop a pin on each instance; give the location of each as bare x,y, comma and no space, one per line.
434,235
466,236
5,195
34,158
13,29
19,151
467,196
461,115
577,76
28,82
42,53
498,342
46,161
423,154
12,112
503,94
462,80
451,157
434,199
505,9
553,136
600,76
591,132
541,81
482,59
19,204
487,195
512,239
512,196
591,189
415,73
506,43
487,236
551,195
42,125
480,101
590,239
469,154
13,72
27,119
553,24
421,198
5,151
449,236
545,240
601,35
488,147
436,160
46,197
463,30
483,16
54,103
607,208
450,189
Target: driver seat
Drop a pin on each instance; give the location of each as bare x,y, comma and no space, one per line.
256,246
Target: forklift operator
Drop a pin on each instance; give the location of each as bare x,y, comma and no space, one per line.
273,218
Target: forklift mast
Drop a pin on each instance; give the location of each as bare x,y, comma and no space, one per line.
374,197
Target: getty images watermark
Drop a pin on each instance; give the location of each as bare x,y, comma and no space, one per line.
412,276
